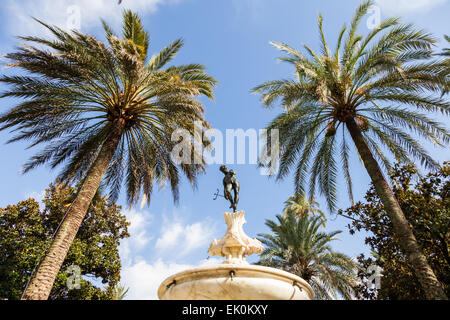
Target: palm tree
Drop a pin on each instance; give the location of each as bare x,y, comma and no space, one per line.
446,51
300,205
107,111
297,246
446,54
371,88
119,292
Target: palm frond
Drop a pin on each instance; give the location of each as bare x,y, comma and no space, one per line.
157,61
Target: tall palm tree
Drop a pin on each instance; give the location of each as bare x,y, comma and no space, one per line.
372,88
297,246
300,205
107,111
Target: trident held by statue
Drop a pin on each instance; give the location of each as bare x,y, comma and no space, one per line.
217,195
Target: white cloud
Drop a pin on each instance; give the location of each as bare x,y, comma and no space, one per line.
398,7
184,237
170,236
66,14
143,279
139,237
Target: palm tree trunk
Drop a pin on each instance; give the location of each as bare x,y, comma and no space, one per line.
42,282
430,284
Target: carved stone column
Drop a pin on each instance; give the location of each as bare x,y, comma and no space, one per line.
235,244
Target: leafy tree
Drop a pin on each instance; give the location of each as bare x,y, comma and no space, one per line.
300,205
373,88
295,245
426,204
25,231
106,111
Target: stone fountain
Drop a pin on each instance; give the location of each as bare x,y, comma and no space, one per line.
235,278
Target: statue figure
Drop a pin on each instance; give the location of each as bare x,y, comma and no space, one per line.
230,183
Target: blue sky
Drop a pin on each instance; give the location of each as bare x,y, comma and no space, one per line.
231,38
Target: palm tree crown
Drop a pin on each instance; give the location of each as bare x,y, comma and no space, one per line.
379,83
300,205
81,92
297,246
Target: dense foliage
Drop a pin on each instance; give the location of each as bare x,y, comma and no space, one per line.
426,204
25,231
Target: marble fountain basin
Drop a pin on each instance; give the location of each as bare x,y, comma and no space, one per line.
235,278
234,282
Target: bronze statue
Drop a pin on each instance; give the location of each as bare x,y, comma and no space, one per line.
230,183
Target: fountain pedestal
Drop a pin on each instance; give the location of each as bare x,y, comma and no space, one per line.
235,279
